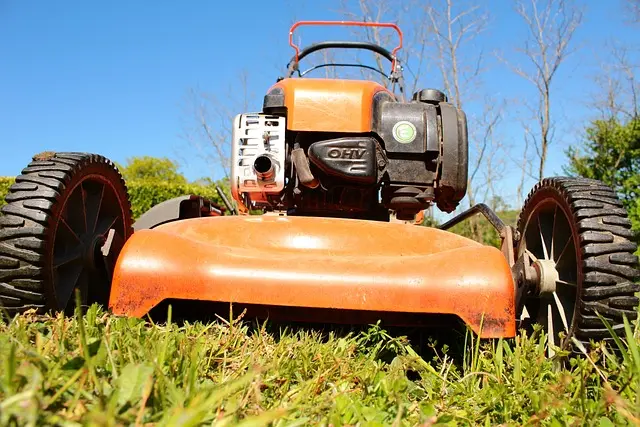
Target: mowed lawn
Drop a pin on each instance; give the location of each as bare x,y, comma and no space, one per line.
104,370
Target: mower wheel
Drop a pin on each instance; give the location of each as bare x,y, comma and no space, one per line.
66,219
576,233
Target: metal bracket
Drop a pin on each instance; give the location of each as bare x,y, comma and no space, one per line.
482,209
226,201
109,258
507,246
526,279
183,207
505,231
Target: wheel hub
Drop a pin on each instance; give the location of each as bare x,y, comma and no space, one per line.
92,251
547,275
549,253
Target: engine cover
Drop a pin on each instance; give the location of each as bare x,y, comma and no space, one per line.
351,159
258,156
408,127
406,157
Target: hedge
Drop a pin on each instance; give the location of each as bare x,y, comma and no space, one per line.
5,183
145,194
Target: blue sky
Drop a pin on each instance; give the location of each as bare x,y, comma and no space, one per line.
112,77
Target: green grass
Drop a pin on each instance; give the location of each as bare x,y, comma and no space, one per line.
105,370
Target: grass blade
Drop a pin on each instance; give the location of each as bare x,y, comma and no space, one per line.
632,345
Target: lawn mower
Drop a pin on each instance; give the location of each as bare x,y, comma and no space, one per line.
339,170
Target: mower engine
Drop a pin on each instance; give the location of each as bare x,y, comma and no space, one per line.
414,155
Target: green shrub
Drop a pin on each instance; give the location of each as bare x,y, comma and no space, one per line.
145,194
5,183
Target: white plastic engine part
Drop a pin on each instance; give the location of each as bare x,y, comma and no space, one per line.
257,156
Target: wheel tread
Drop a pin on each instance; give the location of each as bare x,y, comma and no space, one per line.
606,247
20,294
43,179
18,209
607,250
18,254
25,224
596,224
597,196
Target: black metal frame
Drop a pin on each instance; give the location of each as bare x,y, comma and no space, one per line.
508,235
368,67
292,65
175,209
483,209
226,201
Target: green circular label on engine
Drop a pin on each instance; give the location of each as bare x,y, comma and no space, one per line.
404,132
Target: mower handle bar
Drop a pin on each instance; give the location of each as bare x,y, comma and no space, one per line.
392,57
338,44
368,67
345,45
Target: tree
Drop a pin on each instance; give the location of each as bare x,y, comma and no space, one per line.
551,25
611,154
633,7
410,17
618,89
152,168
209,124
455,25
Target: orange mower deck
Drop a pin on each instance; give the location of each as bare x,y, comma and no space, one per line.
317,263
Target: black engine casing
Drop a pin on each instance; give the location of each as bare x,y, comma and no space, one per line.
415,156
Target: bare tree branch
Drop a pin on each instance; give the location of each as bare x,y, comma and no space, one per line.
210,119
451,30
618,90
551,25
633,9
410,17
627,72
455,25
492,116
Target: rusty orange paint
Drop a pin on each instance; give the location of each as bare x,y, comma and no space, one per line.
419,218
316,263
329,105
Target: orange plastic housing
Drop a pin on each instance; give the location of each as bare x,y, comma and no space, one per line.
315,263
329,105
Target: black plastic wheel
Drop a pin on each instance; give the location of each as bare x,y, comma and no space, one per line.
580,228
54,227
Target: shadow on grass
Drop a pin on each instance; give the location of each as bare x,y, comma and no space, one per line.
427,334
